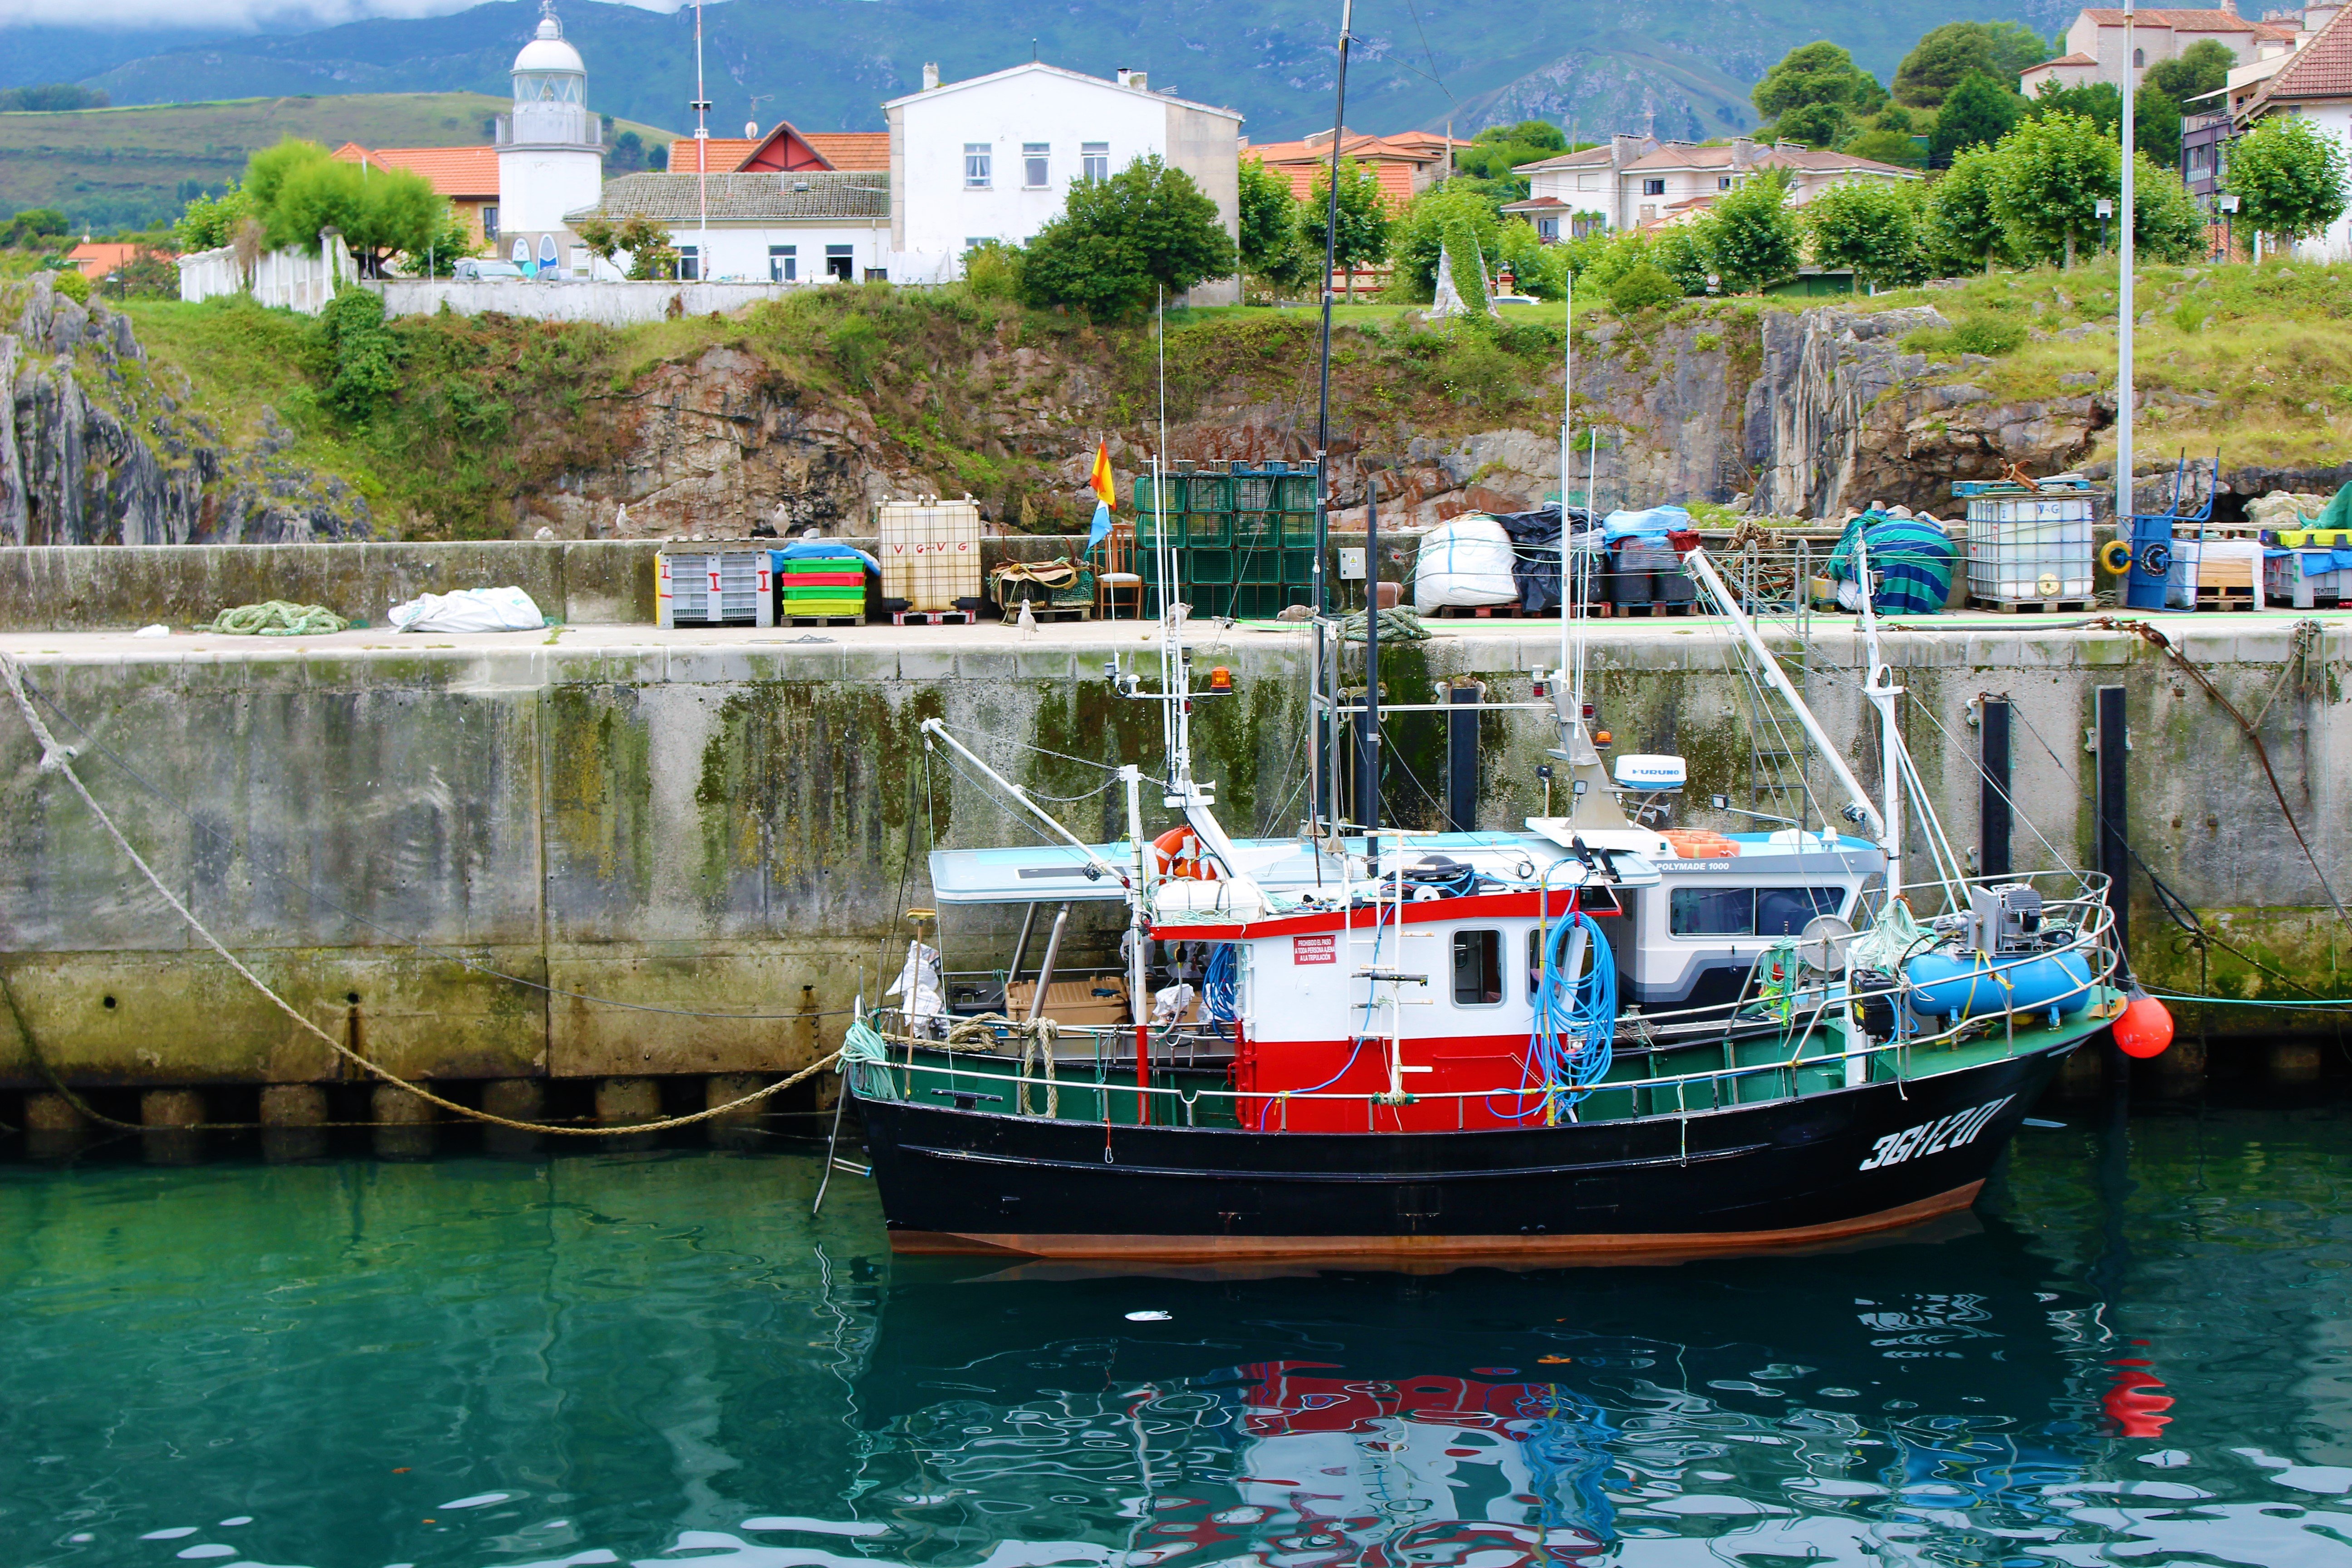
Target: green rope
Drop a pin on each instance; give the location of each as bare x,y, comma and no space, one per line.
1396,622
276,618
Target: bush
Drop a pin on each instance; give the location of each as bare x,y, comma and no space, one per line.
69,282
991,270
1989,335
1641,286
1120,241
361,353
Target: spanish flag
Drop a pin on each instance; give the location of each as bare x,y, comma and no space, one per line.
1105,488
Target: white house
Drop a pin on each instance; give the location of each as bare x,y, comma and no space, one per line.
806,226
2095,44
992,157
550,148
1640,182
2314,84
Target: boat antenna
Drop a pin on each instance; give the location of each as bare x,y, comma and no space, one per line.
701,158
2124,504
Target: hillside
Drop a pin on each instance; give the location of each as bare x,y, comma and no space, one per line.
132,166
1678,69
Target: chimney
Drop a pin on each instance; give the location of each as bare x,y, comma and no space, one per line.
1134,79
1121,74
931,74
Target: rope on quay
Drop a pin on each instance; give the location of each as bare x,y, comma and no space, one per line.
58,759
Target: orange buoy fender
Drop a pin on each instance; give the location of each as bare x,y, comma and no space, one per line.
1180,854
2144,1029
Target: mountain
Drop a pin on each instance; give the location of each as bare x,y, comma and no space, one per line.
1671,67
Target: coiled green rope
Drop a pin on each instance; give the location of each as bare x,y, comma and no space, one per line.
276,618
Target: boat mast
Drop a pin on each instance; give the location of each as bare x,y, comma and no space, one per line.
1324,743
2125,505
1880,688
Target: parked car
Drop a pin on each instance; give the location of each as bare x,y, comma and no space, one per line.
476,270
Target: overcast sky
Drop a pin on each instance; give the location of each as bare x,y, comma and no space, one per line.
277,15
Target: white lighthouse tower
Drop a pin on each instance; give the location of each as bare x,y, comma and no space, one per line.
550,149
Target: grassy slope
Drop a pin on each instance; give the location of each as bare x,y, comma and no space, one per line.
122,166
2267,351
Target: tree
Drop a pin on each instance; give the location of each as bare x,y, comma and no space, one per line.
1641,286
266,172
50,98
1270,245
625,153
2155,126
380,213
1881,145
210,221
2098,102
2051,172
32,226
1753,236
1816,73
1497,151
2167,224
1978,112
1148,227
1685,253
1816,125
1416,237
1869,228
2289,179
1959,231
452,243
652,257
1944,58
1364,220
2203,66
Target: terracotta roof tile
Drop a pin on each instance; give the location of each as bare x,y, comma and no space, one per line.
2191,20
95,259
726,154
866,149
2320,69
463,173
2064,60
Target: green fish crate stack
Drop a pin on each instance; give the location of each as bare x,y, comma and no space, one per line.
821,588
1241,536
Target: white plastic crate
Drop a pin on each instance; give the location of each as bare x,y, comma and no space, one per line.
930,552
2023,548
712,588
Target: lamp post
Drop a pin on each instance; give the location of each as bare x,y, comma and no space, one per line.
2107,210
2228,202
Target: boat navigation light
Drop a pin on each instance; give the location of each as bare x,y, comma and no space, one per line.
1221,679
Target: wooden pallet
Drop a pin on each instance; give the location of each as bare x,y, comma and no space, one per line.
1041,612
1511,612
2030,606
1655,609
821,621
2224,598
931,617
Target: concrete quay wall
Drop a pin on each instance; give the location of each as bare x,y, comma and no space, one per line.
469,853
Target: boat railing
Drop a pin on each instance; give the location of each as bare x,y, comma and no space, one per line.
919,1064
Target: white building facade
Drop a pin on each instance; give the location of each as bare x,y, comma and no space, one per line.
992,158
1640,182
2313,85
811,226
550,149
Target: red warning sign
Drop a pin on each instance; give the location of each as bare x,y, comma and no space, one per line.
1315,949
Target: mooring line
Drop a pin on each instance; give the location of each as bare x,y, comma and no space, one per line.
57,758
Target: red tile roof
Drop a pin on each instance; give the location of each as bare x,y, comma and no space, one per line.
2189,20
726,154
1394,159
97,260
866,151
463,172
2320,69
2064,60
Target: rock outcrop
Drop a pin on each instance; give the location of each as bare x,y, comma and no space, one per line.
95,449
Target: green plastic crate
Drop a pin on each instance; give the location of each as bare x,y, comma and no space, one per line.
1298,567
1257,530
1209,529
1168,497
1296,492
1147,534
1207,492
1206,567
1255,492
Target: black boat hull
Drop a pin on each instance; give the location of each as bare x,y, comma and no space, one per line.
1785,1172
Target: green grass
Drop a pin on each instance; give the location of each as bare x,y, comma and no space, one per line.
122,168
2252,362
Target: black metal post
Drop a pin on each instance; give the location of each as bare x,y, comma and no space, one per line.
2114,858
1994,817
1462,759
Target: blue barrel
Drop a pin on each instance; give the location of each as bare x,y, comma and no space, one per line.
1969,986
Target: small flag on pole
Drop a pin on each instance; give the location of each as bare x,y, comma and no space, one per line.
1105,488
1101,530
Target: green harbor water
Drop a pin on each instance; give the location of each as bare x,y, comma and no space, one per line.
2136,1352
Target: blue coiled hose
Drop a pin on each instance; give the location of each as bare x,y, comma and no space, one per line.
1576,1024
1217,981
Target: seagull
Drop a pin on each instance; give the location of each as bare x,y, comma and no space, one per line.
1028,620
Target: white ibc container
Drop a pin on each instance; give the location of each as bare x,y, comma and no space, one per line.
930,552
2025,548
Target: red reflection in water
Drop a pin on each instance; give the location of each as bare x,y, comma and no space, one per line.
2130,1403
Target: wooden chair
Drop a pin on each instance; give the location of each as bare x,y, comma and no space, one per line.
1118,573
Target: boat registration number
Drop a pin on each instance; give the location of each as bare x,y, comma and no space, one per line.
1933,1137
1314,949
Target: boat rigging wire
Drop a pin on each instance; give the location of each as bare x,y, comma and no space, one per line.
58,759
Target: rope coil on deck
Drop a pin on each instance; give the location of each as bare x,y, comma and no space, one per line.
56,757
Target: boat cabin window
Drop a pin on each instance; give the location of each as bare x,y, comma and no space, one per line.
1749,911
1477,968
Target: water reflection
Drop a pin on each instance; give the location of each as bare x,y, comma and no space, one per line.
658,1358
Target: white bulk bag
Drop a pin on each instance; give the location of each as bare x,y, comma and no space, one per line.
1465,559
470,610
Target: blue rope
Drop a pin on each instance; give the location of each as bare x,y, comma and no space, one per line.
1217,984
1576,1024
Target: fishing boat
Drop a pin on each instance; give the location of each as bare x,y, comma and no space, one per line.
1595,1035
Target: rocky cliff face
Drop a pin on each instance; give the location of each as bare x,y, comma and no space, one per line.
96,448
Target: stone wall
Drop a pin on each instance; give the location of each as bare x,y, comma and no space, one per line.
411,841
609,304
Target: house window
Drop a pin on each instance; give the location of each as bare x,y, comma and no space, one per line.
1477,968
973,242
783,264
2140,59
1547,229
1654,187
491,223
1035,158
836,262
1723,182
690,263
975,166
1094,162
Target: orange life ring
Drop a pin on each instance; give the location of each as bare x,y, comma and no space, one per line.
1179,853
